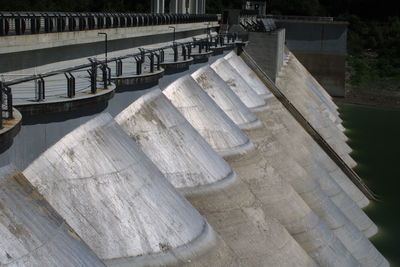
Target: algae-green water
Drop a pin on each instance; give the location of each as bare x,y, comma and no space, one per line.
374,135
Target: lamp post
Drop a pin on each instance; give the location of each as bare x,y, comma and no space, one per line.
105,44
172,27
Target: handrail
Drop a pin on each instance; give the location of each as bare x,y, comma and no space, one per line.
94,65
20,23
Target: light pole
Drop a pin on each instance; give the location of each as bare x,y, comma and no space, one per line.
105,44
172,27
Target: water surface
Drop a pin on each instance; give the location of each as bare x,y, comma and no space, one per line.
375,139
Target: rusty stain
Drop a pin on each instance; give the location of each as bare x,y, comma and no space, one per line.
18,230
73,234
231,82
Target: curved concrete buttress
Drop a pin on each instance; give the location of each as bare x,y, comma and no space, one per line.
31,232
226,99
117,200
248,75
209,183
304,184
232,78
278,198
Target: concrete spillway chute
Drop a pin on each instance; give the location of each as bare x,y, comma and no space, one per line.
32,233
117,200
278,198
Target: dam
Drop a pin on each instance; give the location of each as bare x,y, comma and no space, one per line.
162,140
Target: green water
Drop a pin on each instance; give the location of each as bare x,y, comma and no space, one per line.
375,139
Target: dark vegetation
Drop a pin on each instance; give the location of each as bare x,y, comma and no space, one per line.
373,37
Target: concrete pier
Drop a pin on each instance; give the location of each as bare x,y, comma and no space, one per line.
209,183
32,233
120,203
278,198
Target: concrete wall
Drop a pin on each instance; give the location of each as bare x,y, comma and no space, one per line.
60,48
267,49
322,49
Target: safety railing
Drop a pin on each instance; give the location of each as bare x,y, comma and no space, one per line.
20,23
99,72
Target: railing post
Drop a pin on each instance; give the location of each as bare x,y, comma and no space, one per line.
184,52
138,65
151,57
93,76
175,49
70,85
162,55
40,89
118,68
104,71
189,49
158,61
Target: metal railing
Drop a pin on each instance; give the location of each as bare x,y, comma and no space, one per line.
306,18
99,71
20,23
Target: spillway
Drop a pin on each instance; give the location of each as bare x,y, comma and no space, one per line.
209,183
304,184
121,205
307,150
32,233
291,80
278,198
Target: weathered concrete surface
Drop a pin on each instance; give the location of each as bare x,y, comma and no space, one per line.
209,183
306,185
248,75
278,198
293,85
32,233
119,202
238,85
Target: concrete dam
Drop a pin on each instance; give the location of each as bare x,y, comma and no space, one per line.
169,144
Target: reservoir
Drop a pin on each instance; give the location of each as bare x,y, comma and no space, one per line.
374,136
